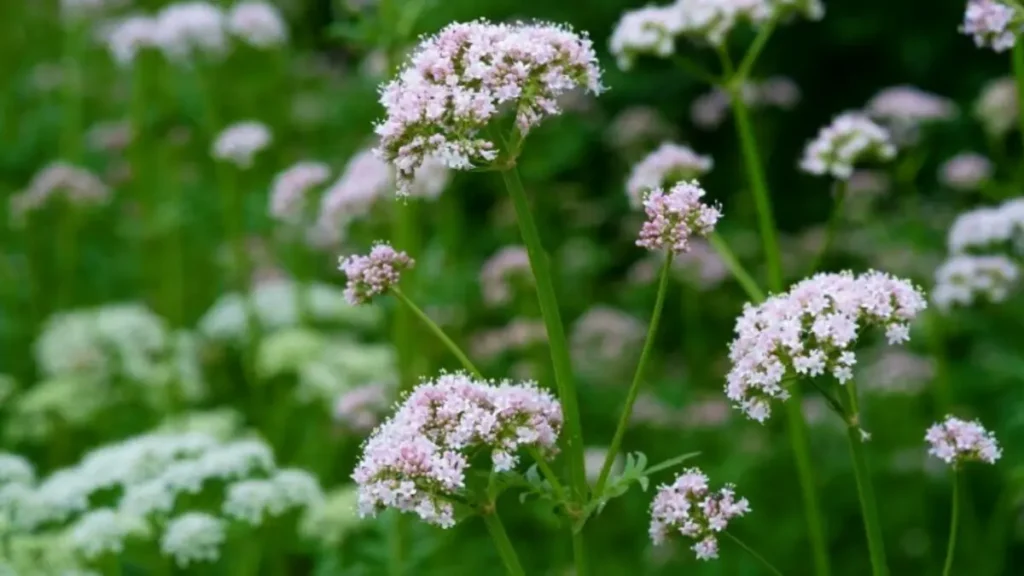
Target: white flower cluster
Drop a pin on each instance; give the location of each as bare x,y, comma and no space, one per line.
288,202
966,171
964,279
188,29
463,77
904,109
811,330
709,109
502,272
239,143
997,107
992,23
674,216
653,30
956,441
418,459
688,507
250,501
850,139
669,164
77,186
986,229
193,537
258,24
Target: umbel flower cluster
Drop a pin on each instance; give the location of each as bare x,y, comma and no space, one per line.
288,192
673,217
811,330
850,139
668,164
956,441
373,274
688,507
984,229
76,185
964,279
992,23
239,143
417,460
461,79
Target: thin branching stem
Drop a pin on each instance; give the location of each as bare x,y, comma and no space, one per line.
833,226
764,562
746,281
947,569
439,332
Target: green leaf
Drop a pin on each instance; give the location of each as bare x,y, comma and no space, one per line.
671,462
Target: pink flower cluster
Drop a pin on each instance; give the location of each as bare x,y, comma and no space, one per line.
669,164
992,24
288,193
966,171
77,185
811,330
956,441
850,139
360,408
674,216
417,460
688,507
499,273
373,274
459,80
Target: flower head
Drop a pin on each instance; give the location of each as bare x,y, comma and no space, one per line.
649,30
104,531
360,408
902,109
288,193
964,279
257,23
188,28
499,274
77,186
194,537
850,139
462,78
669,164
240,142
956,441
811,330
675,216
966,171
988,228
373,274
418,459
992,24
997,107
127,37
688,507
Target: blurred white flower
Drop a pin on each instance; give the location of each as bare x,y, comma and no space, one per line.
329,523
996,107
257,23
502,272
668,165
188,29
104,531
966,171
239,143
288,201
75,185
125,38
193,537
964,279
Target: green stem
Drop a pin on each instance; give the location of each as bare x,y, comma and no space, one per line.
743,72
865,490
1018,71
634,389
548,473
396,564
764,562
67,254
833,226
451,345
948,568
404,238
741,275
508,554
694,69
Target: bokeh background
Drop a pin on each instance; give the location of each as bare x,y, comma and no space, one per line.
163,241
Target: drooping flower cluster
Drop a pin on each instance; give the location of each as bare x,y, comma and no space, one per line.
966,171
956,441
850,139
418,459
992,24
374,273
964,279
668,164
76,185
288,192
903,109
501,272
462,78
688,507
239,143
811,330
709,109
986,229
996,107
675,216
257,23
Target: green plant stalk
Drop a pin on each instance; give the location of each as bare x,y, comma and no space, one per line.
745,280
634,388
947,569
1018,72
67,254
833,226
451,345
560,358
142,172
71,151
173,274
794,414
764,562
403,236
505,549
865,490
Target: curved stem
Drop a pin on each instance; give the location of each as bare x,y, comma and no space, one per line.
504,545
740,273
953,523
743,72
634,389
865,490
451,345
833,225
753,553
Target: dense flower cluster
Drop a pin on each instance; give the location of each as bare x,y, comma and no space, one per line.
668,164
650,30
288,192
501,272
688,507
418,459
673,217
239,143
194,537
964,279
811,330
76,185
996,107
992,24
257,23
186,29
127,37
988,228
850,139
463,77
903,109
252,500
709,109
374,273
966,171
956,441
